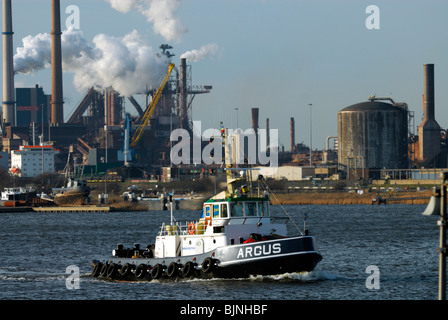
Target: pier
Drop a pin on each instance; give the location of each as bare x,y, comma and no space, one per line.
58,209
73,209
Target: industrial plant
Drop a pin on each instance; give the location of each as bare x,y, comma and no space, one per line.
376,138
98,137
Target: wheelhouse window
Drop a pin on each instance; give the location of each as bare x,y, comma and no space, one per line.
224,210
236,209
250,209
216,211
263,209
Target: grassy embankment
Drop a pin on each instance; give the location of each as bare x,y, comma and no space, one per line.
283,193
345,198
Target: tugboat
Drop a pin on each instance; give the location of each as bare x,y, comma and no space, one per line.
235,237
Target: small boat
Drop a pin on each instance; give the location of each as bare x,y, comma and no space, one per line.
76,192
159,201
18,196
236,236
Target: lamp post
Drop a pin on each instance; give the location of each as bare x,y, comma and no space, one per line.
236,109
311,134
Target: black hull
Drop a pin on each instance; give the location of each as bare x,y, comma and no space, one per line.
298,254
305,262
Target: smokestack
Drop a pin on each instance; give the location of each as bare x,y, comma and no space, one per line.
106,106
57,109
183,91
292,133
428,78
8,66
255,112
268,137
429,137
255,119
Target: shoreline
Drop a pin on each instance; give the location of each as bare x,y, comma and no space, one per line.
344,198
302,198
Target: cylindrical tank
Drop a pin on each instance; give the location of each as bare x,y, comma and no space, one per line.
372,135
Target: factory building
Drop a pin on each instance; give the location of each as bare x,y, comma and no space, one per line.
32,106
31,161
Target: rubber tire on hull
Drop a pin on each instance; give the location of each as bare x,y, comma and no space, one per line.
103,271
141,271
208,265
188,269
112,270
173,270
157,271
97,269
126,270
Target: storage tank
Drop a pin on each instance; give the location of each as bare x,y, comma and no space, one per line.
372,135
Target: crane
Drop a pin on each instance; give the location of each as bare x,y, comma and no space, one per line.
147,115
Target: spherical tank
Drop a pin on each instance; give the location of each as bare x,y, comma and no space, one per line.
372,135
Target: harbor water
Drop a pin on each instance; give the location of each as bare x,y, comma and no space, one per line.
370,252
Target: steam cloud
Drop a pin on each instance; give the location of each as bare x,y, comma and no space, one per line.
161,13
125,64
201,53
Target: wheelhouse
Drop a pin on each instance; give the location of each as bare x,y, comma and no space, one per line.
236,208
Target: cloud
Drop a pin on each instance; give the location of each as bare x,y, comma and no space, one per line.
161,13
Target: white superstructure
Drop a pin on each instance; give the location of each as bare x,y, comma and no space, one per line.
31,161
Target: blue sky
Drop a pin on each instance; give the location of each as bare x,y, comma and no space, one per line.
278,56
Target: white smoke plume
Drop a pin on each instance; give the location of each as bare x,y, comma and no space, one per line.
34,55
201,53
126,64
161,13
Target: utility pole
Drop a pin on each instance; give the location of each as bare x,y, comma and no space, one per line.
311,134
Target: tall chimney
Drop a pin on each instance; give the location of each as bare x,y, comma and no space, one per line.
57,109
268,137
428,78
293,134
255,119
255,112
8,66
429,137
183,91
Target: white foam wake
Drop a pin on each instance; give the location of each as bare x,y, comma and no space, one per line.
299,276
